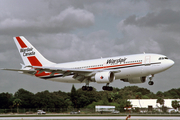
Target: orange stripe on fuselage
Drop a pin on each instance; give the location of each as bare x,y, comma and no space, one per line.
21,43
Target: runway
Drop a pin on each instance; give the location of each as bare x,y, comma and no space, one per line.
91,117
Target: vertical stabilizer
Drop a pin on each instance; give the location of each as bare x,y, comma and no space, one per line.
29,54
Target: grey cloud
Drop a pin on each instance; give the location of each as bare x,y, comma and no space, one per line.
165,17
118,8
73,18
71,47
158,5
66,20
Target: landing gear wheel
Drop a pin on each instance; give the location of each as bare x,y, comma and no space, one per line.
104,87
84,88
88,88
108,88
151,83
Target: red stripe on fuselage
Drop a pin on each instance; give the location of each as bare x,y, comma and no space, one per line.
43,74
21,43
34,61
115,66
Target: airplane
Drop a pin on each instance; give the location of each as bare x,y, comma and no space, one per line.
136,68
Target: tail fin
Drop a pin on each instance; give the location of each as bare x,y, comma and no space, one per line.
29,54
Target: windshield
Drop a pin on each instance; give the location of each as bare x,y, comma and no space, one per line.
162,58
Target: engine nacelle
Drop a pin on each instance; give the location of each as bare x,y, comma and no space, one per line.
135,80
104,77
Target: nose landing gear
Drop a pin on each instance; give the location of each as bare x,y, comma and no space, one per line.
150,78
151,83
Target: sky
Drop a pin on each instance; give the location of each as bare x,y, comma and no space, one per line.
73,30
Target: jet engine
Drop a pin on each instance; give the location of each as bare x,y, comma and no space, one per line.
104,77
134,80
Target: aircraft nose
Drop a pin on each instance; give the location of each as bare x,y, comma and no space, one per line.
170,63
167,64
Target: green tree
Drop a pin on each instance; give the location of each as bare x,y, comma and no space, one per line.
26,98
74,97
138,95
159,94
172,94
6,100
105,99
17,103
160,100
43,100
123,103
86,97
175,104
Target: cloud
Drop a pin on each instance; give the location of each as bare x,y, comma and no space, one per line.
165,17
68,47
158,5
67,20
117,7
73,18
153,32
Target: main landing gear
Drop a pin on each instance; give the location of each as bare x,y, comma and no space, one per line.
107,87
87,87
150,78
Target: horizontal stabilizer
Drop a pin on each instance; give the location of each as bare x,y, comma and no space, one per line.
20,70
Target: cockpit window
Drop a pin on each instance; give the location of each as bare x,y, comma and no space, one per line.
162,58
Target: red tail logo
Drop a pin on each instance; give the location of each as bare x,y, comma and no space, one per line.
21,43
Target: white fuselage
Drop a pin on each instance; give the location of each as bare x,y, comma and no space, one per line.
130,66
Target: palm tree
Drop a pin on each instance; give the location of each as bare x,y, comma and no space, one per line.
160,100
175,104
17,103
139,96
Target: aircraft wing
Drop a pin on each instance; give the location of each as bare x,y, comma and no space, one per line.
20,70
61,70
78,74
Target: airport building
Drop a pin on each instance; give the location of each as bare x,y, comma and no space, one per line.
149,104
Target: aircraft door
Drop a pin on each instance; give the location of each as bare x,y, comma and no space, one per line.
147,65
147,60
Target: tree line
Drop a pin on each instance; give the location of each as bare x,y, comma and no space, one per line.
82,99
